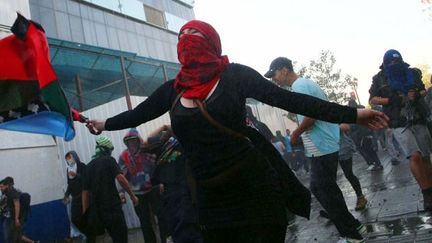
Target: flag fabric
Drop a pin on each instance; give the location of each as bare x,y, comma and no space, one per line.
31,99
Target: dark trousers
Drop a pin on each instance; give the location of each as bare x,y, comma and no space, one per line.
346,166
115,223
324,187
299,160
366,150
268,233
143,210
180,215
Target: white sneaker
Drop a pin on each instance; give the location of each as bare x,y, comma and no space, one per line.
349,240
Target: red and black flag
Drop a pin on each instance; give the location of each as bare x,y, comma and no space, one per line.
31,99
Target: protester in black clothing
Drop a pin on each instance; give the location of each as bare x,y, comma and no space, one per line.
252,121
177,210
363,139
400,90
14,214
238,193
74,172
102,207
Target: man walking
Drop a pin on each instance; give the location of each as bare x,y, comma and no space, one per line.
321,142
100,196
137,164
17,206
400,90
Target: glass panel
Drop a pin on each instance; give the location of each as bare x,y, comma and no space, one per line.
100,73
101,35
132,8
174,23
133,44
60,5
85,11
112,38
63,27
76,29
188,2
34,10
46,3
48,21
154,16
89,32
123,40
98,15
73,8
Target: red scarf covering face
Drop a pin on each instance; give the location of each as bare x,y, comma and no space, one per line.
201,59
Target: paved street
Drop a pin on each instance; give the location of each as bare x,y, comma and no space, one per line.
394,212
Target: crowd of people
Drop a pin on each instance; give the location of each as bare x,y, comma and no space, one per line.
218,174
151,171
239,181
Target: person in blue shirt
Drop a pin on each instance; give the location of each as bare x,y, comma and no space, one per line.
321,142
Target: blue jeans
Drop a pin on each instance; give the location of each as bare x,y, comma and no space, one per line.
5,228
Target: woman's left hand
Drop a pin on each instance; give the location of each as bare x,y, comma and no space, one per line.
372,119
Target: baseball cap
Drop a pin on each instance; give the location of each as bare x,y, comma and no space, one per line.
277,64
392,55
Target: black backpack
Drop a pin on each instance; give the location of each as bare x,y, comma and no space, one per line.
25,200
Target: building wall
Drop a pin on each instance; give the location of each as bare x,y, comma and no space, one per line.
8,14
32,160
82,22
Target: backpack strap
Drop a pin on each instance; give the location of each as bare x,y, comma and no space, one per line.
215,123
177,99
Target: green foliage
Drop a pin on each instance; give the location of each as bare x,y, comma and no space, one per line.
426,74
322,71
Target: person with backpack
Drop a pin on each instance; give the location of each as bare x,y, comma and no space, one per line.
400,90
18,208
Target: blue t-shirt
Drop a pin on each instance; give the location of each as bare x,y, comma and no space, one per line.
323,135
287,141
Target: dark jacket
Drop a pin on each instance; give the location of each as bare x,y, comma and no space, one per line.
397,108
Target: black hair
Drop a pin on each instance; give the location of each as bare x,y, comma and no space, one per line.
9,180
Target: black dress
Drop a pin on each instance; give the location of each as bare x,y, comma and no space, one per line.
235,184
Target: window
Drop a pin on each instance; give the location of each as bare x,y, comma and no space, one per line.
154,16
174,23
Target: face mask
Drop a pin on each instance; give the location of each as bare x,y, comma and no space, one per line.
70,162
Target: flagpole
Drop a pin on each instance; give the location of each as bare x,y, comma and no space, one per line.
79,92
128,98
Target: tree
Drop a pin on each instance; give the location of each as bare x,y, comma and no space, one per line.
426,75
323,71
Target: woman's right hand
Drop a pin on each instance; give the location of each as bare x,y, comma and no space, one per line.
96,126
